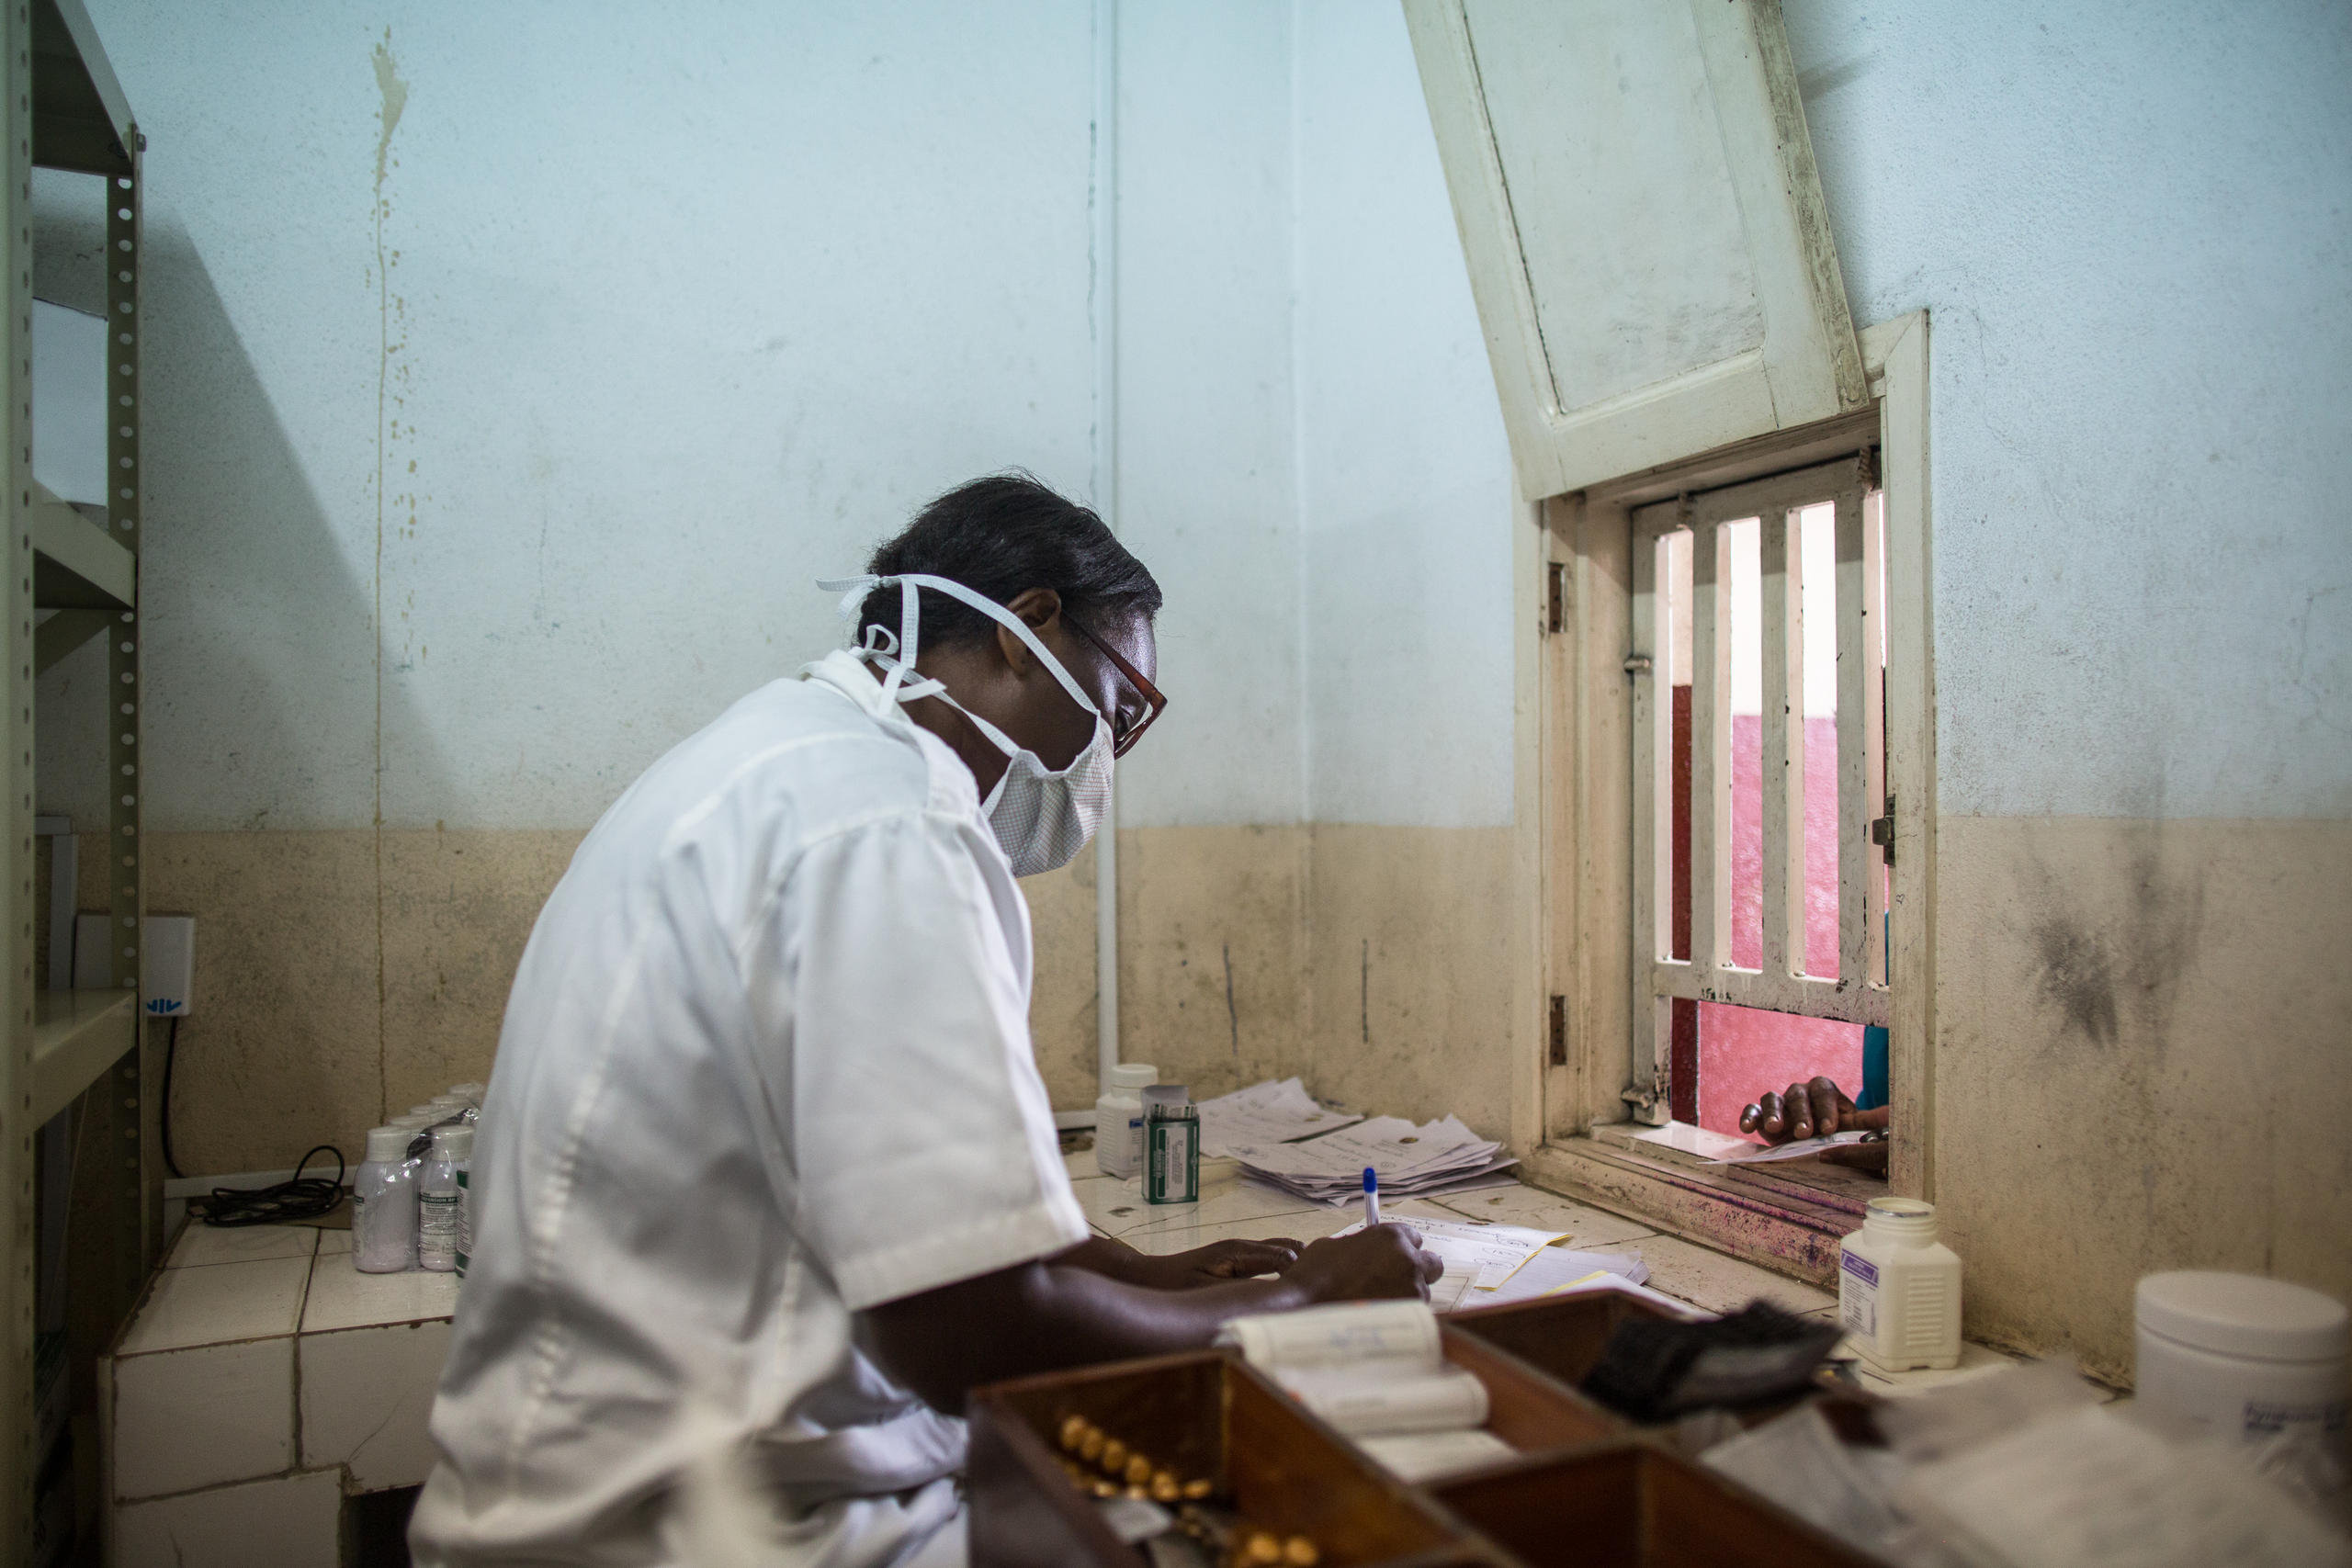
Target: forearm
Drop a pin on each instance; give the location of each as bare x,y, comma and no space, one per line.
1113,1259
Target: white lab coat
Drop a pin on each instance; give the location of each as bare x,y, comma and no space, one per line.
766,1064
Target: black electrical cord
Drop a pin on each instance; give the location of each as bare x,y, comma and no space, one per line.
171,1049
298,1198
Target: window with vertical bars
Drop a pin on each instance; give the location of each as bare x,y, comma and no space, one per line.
1760,884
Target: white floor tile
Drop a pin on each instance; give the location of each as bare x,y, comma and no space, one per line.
1715,1281
201,1244
1589,1229
294,1521
1113,1207
214,1304
366,1395
342,1297
335,1244
188,1418
1080,1165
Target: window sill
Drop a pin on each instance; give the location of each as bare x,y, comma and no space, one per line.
1787,1216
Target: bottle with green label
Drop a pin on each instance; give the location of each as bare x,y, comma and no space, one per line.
1171,1132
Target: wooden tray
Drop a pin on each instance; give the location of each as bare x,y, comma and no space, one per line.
1633,1505
1202,1415
1561,1337
1531,1412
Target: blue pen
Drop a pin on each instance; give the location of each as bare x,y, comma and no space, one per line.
1371,1197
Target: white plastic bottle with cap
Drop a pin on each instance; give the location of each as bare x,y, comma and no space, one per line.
2243,1357
438,1200
1118,1120
1898,1288
383,1205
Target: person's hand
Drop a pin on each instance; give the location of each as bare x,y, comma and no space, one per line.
1225,1260
1384,1261
1812,1109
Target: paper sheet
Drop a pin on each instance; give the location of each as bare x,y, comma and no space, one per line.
1268,1112
1697,1141
1765,1153
1430,1456
1489,1254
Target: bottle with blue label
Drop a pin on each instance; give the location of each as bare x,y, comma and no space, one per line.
1898,1288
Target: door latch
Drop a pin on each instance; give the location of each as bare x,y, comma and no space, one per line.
1882,831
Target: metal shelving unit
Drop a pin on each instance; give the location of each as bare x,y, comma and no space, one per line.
83,1051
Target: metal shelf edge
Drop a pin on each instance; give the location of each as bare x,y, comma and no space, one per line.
93,572
76,1037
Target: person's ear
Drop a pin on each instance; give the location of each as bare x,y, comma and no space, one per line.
1040,610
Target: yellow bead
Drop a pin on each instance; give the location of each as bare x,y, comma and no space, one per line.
1139,1470
1073,1433
1114,1456
1299,1552
1089,1447
1262,1548
1199,1489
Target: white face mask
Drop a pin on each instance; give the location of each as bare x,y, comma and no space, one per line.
1042,819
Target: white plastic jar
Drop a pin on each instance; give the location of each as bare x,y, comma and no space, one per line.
383,1205
1118,1120
2242,1355
1898,1288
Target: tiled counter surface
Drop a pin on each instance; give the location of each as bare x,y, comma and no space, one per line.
1231,1208
262,1380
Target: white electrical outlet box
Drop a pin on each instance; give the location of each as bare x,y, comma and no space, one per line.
171,960
171,965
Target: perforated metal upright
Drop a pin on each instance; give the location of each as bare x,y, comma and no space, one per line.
19,1461
64,109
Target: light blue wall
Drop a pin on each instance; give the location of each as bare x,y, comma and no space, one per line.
685,306
2133,225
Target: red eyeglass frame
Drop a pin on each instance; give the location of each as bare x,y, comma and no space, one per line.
1153,701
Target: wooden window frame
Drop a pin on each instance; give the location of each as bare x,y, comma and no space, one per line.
1576,1059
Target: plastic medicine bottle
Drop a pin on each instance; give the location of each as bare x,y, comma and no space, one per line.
1172,1147
1118,1120
1898,1288
383,1205
458,1139
438,1198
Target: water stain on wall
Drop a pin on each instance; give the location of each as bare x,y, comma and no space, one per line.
2091,970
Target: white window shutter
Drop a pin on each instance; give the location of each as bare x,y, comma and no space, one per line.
1644,226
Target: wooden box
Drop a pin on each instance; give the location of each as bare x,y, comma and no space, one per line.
1203,1414
1561,1337
1633,1505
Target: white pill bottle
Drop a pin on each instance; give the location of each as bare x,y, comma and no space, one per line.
2244,1358
1118,1120
1898,1288
383,1205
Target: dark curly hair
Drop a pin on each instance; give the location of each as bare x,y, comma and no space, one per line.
999,536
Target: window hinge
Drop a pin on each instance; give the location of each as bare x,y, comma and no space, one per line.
1637,664
1554,612
1882,831
1559,1031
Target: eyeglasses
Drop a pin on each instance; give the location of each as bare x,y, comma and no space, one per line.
1153,702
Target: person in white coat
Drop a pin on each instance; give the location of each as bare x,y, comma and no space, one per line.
766,1169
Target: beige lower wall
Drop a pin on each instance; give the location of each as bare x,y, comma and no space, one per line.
2143,1061
343,976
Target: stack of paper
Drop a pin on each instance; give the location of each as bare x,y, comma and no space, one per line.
1266,1113
1413,1162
